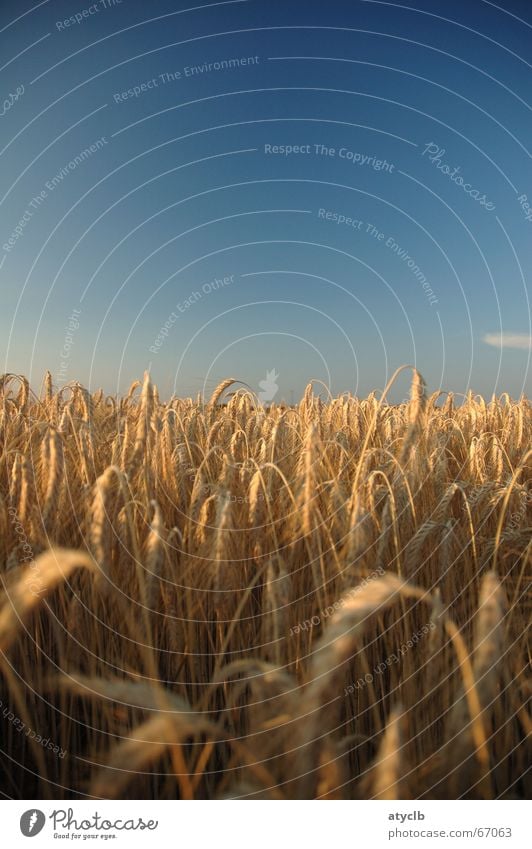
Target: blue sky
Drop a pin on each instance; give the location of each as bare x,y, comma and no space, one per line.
324,190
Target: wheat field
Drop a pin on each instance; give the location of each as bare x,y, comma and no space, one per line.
219,600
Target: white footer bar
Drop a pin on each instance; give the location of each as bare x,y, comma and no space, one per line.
267,825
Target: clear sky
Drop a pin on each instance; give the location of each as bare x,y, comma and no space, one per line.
323,190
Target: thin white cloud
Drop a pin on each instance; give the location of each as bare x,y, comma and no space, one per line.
509,340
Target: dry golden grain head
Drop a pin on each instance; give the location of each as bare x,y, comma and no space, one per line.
360,532
222,526
154,560
99,519
255,498
48,390
137,752
128,693
418,397
147,393
335,647
29,587
489,635
220,389
55,476
391,764
344,628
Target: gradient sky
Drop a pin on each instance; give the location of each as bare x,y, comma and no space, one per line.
182,192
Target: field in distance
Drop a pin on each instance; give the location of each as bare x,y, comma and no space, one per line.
222,599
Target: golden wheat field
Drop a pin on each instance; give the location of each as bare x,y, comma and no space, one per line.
219,600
